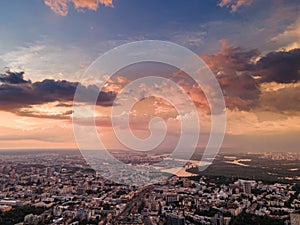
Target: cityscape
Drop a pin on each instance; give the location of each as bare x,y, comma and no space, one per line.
58,187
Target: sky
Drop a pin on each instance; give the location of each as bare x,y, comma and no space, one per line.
252,46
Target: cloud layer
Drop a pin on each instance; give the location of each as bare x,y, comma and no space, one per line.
61,7
241,74
17,94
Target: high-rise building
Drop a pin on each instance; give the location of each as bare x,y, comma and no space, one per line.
247,187
48,171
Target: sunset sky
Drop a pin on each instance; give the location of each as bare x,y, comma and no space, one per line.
252,46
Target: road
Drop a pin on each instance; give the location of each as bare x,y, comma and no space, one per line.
133,202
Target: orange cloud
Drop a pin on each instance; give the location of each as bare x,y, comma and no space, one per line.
61,6
235,4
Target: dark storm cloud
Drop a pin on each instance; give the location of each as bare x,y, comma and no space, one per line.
235,68
13,78
17,93
281,67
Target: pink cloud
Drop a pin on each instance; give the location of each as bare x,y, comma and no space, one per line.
235,4
61,7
